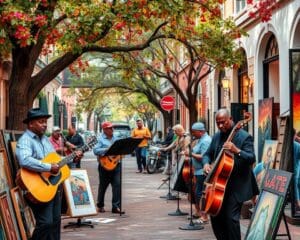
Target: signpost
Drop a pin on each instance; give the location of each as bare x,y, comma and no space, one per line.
167,103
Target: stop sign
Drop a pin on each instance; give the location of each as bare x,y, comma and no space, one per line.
167,103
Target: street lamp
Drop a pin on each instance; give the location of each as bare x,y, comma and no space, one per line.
61,105
225,85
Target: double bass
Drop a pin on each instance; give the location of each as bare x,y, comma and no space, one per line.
217,179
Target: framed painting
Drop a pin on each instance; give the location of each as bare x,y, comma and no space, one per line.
8,218
29,220
267,160
2,232
5,176
24,215
79,194
13,145
1,140
269,208
265,112
295,117
16,135
7,137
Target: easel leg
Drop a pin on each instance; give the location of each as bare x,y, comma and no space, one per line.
164,181
79,224
286,228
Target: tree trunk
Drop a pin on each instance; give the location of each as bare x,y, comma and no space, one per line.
193,115
20,94
20,102
88,121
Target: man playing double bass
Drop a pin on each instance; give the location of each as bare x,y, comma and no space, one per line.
241,185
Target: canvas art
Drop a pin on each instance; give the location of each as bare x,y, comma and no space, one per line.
8,218
267,160
269,207
5,178
295,115
79,195
265,112
24,214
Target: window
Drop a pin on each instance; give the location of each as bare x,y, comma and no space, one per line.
239,5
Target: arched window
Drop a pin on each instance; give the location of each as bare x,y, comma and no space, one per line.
271,67
243,80
272,48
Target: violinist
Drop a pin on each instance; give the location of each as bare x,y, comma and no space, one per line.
200,144
241,184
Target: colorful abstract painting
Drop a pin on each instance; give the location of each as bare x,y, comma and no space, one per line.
295,115
264,123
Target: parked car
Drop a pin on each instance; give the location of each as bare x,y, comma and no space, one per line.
121,130
87,135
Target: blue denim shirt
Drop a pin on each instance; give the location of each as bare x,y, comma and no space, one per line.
200,148
103,144
31,149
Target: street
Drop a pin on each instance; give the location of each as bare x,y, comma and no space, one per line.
146,213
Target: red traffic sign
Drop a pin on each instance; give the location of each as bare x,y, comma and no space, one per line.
167,103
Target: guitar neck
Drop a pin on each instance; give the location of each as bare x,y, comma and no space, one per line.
70,157
67,159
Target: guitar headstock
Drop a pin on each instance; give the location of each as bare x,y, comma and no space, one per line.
90,144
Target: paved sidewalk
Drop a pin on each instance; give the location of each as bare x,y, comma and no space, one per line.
146,213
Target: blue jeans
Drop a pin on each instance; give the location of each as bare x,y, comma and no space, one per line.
199,187
140,153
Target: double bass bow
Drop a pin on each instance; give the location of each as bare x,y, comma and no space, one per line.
217,179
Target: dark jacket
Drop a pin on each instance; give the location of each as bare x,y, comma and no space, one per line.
169,138
241,182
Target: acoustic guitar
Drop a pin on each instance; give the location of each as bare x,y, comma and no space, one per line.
109,163
217,179
41,187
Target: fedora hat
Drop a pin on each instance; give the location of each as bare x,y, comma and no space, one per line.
35,113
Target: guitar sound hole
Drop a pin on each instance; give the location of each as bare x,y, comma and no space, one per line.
54,179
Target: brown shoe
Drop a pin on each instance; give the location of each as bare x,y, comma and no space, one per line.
117,210
101,210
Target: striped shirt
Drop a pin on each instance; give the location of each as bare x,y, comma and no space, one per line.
31,149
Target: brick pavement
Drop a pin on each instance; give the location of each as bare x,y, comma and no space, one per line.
146,213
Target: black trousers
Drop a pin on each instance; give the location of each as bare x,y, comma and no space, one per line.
106,178
226,225
47,217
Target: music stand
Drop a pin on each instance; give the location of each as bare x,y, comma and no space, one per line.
169,195
177,212
191,225
121,147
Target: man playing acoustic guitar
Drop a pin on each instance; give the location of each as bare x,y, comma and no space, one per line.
109,169
32,148
241,184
